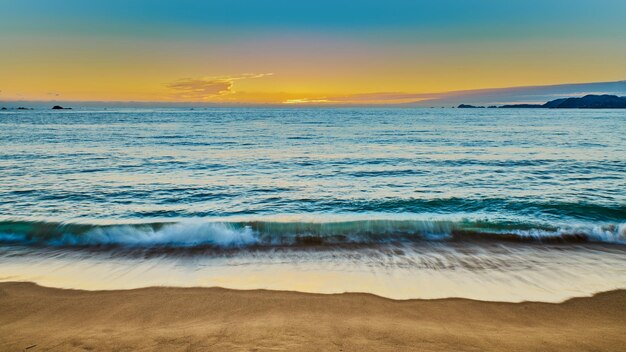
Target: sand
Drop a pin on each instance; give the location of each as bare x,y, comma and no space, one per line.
213,319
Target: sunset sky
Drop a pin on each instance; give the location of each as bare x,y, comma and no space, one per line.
302,51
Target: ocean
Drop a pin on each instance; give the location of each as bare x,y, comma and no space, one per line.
490,204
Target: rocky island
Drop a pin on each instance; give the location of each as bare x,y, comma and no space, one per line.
467,106
590,101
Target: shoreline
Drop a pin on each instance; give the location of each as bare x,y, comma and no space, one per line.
169,318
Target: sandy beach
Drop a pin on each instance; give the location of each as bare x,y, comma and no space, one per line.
346,176
36,318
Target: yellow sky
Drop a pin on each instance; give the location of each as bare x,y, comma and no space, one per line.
288,68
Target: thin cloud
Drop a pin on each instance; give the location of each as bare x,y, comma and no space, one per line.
370,98
528,94
305,101
209,87
384,96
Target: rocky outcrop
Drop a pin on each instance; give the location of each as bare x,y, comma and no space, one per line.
523,106
590,101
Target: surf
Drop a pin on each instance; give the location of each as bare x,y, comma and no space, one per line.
268,233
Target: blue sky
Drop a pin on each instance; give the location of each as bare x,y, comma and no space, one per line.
302,50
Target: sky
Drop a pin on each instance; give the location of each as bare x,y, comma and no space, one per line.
303,52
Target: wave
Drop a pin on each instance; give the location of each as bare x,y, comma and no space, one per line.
234,234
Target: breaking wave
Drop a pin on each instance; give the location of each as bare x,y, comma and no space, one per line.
226,234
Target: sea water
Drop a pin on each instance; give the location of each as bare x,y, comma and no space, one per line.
492,204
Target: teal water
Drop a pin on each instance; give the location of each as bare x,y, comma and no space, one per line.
527,172
489,204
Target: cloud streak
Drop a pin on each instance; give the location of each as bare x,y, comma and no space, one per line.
528,94
208,87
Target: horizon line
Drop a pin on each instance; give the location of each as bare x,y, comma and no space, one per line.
428,97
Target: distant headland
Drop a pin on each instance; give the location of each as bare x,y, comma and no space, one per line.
590,101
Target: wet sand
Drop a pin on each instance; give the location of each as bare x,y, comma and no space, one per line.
35,318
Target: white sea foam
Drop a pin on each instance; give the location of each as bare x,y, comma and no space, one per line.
227,234
594,233
400,271
185,234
